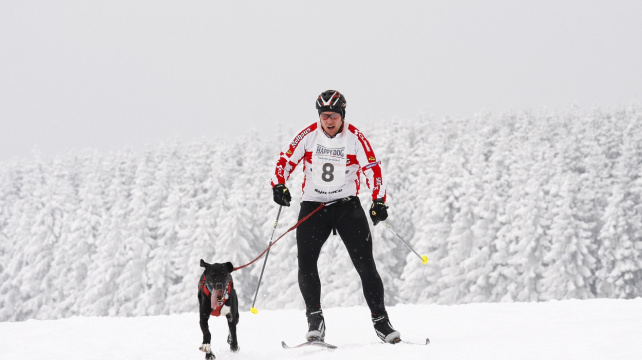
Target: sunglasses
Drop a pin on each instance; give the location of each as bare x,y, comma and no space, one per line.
335,116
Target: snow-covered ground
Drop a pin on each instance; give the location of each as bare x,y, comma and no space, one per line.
589,329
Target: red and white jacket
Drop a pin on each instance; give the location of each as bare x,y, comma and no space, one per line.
349,144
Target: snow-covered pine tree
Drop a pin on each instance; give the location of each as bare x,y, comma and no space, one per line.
459,218
161,269
137,247
66,276
89,224
620,252
109,260
487,201
12,180
569,258
415,196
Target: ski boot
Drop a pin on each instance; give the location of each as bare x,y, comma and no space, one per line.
316,325
384,329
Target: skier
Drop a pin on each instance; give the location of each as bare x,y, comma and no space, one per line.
334,154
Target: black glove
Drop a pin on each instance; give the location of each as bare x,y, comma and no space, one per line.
378,211
281,195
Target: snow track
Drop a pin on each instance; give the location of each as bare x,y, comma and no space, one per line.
573,329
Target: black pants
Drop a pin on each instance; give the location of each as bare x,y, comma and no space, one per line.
349,220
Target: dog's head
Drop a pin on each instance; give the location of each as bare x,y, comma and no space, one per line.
217,279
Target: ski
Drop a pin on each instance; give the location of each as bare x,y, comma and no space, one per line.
325,345
413,343
318,343
399,341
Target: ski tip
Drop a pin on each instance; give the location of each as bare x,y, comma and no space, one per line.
283,345
254,310
427,341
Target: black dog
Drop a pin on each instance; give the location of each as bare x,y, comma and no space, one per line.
216,296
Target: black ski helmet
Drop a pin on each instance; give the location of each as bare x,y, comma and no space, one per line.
332,100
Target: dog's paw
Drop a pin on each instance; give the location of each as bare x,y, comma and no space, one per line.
235,348
206,348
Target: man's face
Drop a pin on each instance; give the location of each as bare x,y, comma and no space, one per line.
331,122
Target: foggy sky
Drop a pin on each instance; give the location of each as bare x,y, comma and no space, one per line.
110,74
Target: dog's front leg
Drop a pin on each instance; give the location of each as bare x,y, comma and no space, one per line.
204,314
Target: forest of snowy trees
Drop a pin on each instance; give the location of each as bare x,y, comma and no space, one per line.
512,207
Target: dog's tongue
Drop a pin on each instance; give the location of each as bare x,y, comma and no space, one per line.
217,298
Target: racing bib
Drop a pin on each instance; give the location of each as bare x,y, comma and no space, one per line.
329,161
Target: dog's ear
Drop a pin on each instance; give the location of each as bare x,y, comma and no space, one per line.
229,266
203,263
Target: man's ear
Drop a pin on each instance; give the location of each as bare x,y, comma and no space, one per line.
229,266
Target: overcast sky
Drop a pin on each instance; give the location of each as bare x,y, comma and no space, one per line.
107,74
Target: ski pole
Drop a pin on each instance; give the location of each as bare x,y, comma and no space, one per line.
424,258
253,310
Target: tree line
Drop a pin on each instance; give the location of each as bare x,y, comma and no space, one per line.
507,207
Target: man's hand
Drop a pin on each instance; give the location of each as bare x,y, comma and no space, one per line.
281,195
378,211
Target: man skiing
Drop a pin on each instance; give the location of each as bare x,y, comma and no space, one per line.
334,154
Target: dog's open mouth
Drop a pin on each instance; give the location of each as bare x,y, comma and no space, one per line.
218,297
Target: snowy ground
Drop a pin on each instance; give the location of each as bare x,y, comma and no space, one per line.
589,329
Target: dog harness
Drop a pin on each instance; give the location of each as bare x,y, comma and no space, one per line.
216,307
